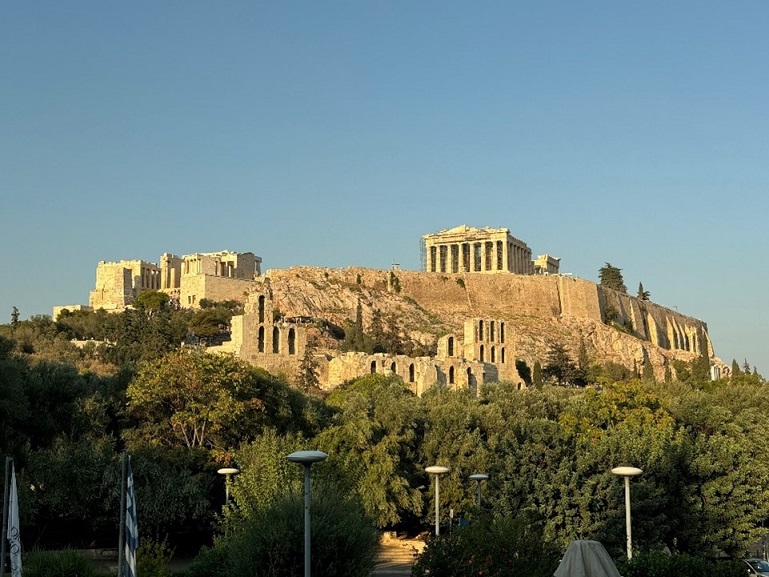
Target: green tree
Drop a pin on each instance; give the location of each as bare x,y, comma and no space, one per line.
374,439
307,376
536,375
193,399
209,323
642,294
270,540
354,337
151,301
559,367
455,415
492,547
15,317
736,368
611,277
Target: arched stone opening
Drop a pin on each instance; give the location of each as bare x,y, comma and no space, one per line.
275,340
291,341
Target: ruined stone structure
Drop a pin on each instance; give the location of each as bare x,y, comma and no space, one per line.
478,324
215,276
546,264
257,337
468,249
482,354
119,283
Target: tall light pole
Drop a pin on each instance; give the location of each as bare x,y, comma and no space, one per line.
306,458
227,472
479,477
626,473
436,471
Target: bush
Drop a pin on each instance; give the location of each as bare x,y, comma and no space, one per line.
66,563
152,558
659,564
492,548
210,562
270,542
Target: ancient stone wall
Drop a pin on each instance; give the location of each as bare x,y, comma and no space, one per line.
256,337
119,283
419,373
214,288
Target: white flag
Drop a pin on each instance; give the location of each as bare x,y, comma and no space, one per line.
14,536
131,526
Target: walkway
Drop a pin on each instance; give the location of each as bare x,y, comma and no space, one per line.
396,556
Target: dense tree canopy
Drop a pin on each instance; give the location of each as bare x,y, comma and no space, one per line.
67,412
194,399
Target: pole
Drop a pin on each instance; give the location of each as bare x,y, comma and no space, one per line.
479,496
307,519
437,505
627,519
121,531
8,461
306,458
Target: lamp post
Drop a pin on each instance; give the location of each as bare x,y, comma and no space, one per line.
227,472
626,473
479,477
436,471
306,458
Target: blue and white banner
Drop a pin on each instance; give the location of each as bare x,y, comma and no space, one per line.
14,534
131,526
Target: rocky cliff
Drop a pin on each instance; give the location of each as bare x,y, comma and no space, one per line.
537,309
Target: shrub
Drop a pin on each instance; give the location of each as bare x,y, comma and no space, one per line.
66,563
492,548
210,562
272,539
152,558
659,564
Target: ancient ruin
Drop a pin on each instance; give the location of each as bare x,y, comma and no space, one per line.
188,279
476,324
482,353
487,250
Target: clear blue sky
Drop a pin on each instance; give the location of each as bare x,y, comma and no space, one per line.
330,133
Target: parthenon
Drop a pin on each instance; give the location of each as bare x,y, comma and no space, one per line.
486,250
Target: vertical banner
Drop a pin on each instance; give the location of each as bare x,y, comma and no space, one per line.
131,527
14,535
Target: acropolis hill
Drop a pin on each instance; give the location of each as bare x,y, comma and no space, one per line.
481,299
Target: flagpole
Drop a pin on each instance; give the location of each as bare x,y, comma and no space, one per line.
8,461
121,537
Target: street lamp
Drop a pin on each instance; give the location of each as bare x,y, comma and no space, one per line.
479,477
437,471
227,472
626,473
306,458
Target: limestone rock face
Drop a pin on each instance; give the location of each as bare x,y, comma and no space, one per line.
538,310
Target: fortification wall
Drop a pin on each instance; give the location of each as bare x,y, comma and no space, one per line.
529,302
419,373
195,287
